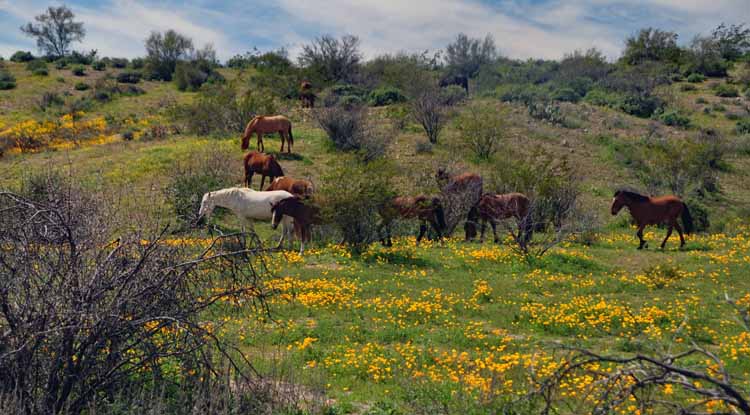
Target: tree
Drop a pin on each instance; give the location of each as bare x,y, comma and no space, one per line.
465,56
732,41
333,59
651,45
429,110
163,51
55,31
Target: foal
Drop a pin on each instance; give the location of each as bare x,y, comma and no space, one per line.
495,208
263,164
426,209
304,217
653,211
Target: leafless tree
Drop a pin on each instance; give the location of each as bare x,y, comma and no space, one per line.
334,59
428,109
87,315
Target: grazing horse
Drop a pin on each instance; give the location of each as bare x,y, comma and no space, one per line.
459,80
653,211
263,164
460,195
495,208
298,187
425,208
246,204
264,124
306,96
304,217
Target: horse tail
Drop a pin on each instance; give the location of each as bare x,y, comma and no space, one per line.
687,219
291,138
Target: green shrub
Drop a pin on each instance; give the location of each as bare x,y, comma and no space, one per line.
386,96
696,78
50,99
129,77
601,97
135,63
482,128
81,86
687,87
727,91
743,126
565,95
37,65
699,212
350,198
701,100
423,147
452,95
123,62
675,119
7,80
78,70
641,105
61,63
349,129
190,76
21,56
99,65
40,72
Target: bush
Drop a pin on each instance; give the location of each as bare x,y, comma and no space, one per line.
565,95
99,65
351,196
78,70
50,99
423,147
21,56
385,96
601,97
701,100
349,129
546,111
696,78
190,76
453,95
727,91
7,80
81,86
675,119
37,65
135,63
428,109
687,87
61,63
129,77
743,126
121,63
699,212
642,106
482,127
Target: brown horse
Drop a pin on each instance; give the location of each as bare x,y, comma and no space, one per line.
460,194
264,124
304,217
653,211
496,208
306,96
263,164
425,208
297,187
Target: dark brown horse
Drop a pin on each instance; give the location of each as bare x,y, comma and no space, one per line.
263,164
304,216
460,195
425,208
654,211
306,96
496,208
297,187
265,124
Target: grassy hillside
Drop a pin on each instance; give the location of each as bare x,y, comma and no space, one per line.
453,327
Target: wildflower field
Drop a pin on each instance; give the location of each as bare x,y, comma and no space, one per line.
471,327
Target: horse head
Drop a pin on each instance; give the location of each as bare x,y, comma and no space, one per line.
248,132
207,207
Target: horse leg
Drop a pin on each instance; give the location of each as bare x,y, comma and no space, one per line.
669,233
679,232
262,180
482,230
640,237
260,142
437,231
249,179
494,231
281,134
422,230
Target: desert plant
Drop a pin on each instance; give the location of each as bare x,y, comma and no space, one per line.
349,129
428,110
7,80
483,129
696,78
78,70
465,56
99,65
453,95
190,76
743,126
333,60
55,30
49,100
81,86
129,77
385,96
675,119
21,56
726,91
37,65
164,50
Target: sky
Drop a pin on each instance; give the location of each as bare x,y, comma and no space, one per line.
522,28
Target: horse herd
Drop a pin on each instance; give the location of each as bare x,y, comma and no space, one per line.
287,201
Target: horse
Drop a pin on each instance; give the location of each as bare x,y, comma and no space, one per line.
460,195
263,164
264,124
428,209
246,204
459,80
304,217
494,208
298,187
306,96
653,211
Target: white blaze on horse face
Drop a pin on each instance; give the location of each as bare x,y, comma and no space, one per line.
206,205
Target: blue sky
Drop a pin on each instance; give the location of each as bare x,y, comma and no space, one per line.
522,28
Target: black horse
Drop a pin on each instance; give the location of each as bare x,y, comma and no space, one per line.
459,80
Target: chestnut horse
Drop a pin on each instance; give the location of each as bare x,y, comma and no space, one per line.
297,187
263,164
496,208
425,208
263,124
304,217
460,195
653,211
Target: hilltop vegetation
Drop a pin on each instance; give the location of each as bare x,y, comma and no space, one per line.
125,148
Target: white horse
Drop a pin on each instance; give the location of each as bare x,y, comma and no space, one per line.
248,205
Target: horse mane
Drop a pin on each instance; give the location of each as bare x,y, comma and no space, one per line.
632,194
